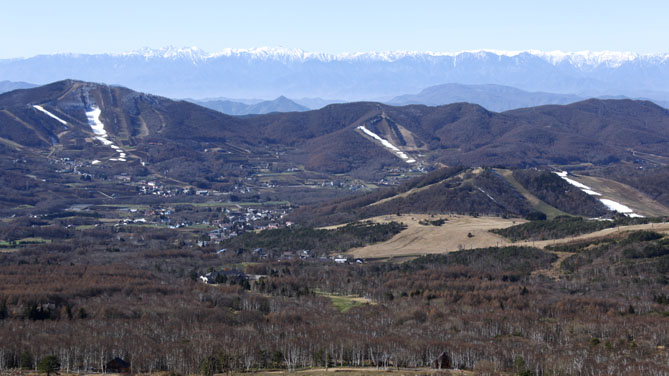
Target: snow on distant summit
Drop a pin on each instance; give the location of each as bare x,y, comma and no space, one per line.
268,72
580,58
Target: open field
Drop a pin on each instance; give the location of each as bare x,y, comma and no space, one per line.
420,239
345,302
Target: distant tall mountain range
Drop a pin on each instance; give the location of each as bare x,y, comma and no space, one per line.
270,72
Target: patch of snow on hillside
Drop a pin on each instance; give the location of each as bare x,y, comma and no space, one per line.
610,204
387,144
40,108
486,193
98,128
582,187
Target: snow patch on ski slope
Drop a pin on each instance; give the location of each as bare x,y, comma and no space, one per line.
620,208
576,184
610,204
486,193
40,108
388,145
98,128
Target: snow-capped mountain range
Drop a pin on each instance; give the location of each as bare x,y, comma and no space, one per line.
581,58
270,72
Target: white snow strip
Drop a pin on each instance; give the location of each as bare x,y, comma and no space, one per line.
93,117
98,128
40,108
95,161
388,145
104,140
591,192
610,204
486,193
583,187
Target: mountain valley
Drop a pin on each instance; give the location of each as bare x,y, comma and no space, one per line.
219,243
340,148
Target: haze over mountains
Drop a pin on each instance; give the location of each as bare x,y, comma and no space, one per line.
496,98
6,86
280,104
271,72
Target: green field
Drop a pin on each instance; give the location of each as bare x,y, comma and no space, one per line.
24,241
344,303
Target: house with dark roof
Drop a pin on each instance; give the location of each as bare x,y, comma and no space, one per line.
224,276
117,365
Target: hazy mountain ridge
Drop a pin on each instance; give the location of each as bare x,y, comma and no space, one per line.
268,72
6,86
496,98
280,104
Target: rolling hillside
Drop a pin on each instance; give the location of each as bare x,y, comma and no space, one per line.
109,130
482,191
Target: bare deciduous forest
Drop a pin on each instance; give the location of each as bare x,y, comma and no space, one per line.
492,309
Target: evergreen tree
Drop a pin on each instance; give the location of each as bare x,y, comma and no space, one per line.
49,364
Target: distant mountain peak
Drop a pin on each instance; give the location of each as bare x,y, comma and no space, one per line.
577,58
266,72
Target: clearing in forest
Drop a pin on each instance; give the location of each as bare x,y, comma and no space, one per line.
457,233
345,302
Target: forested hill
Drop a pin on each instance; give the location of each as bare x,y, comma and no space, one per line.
331,139
362,144
460,190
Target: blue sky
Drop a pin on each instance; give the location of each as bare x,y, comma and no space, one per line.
42,27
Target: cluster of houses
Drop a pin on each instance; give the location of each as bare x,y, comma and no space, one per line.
343,185
234,276
237,221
